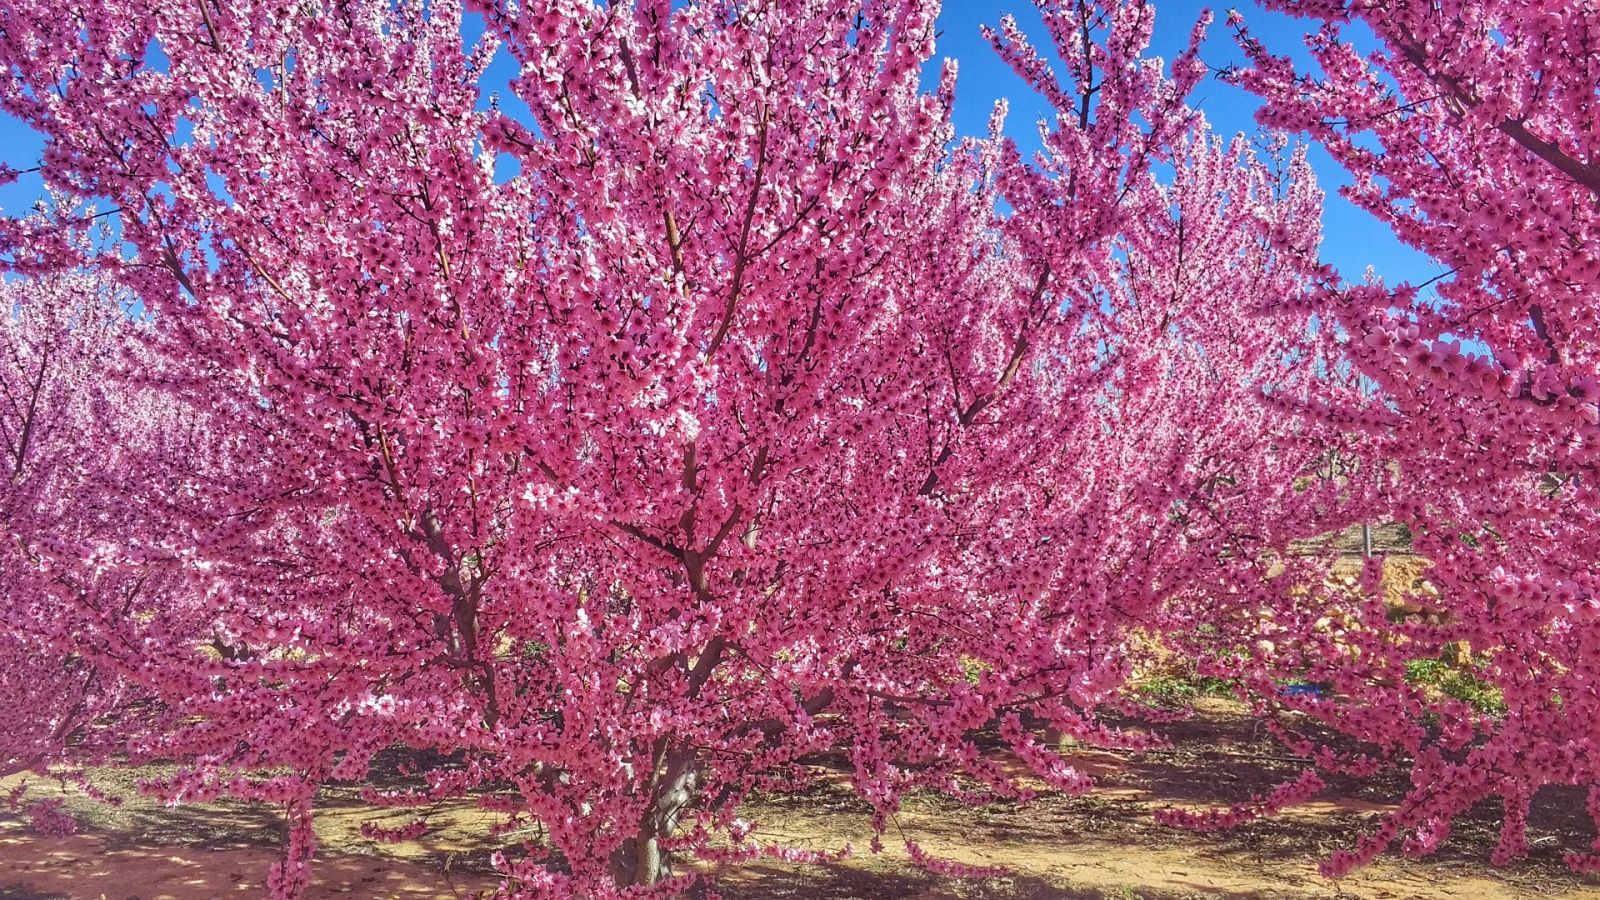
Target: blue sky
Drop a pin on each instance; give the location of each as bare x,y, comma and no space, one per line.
1352,239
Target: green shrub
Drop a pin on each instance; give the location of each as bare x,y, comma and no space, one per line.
1455,681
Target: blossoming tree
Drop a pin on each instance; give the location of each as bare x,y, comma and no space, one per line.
624,453
53,329
1472,131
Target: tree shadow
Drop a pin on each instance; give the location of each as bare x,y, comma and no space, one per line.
844,882
86,866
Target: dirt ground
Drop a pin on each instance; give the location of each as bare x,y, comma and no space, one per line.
1104,846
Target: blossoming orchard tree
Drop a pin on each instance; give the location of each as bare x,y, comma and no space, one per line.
53,329
1473,130
623,454
84,623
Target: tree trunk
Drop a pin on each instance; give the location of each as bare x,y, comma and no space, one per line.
640,860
